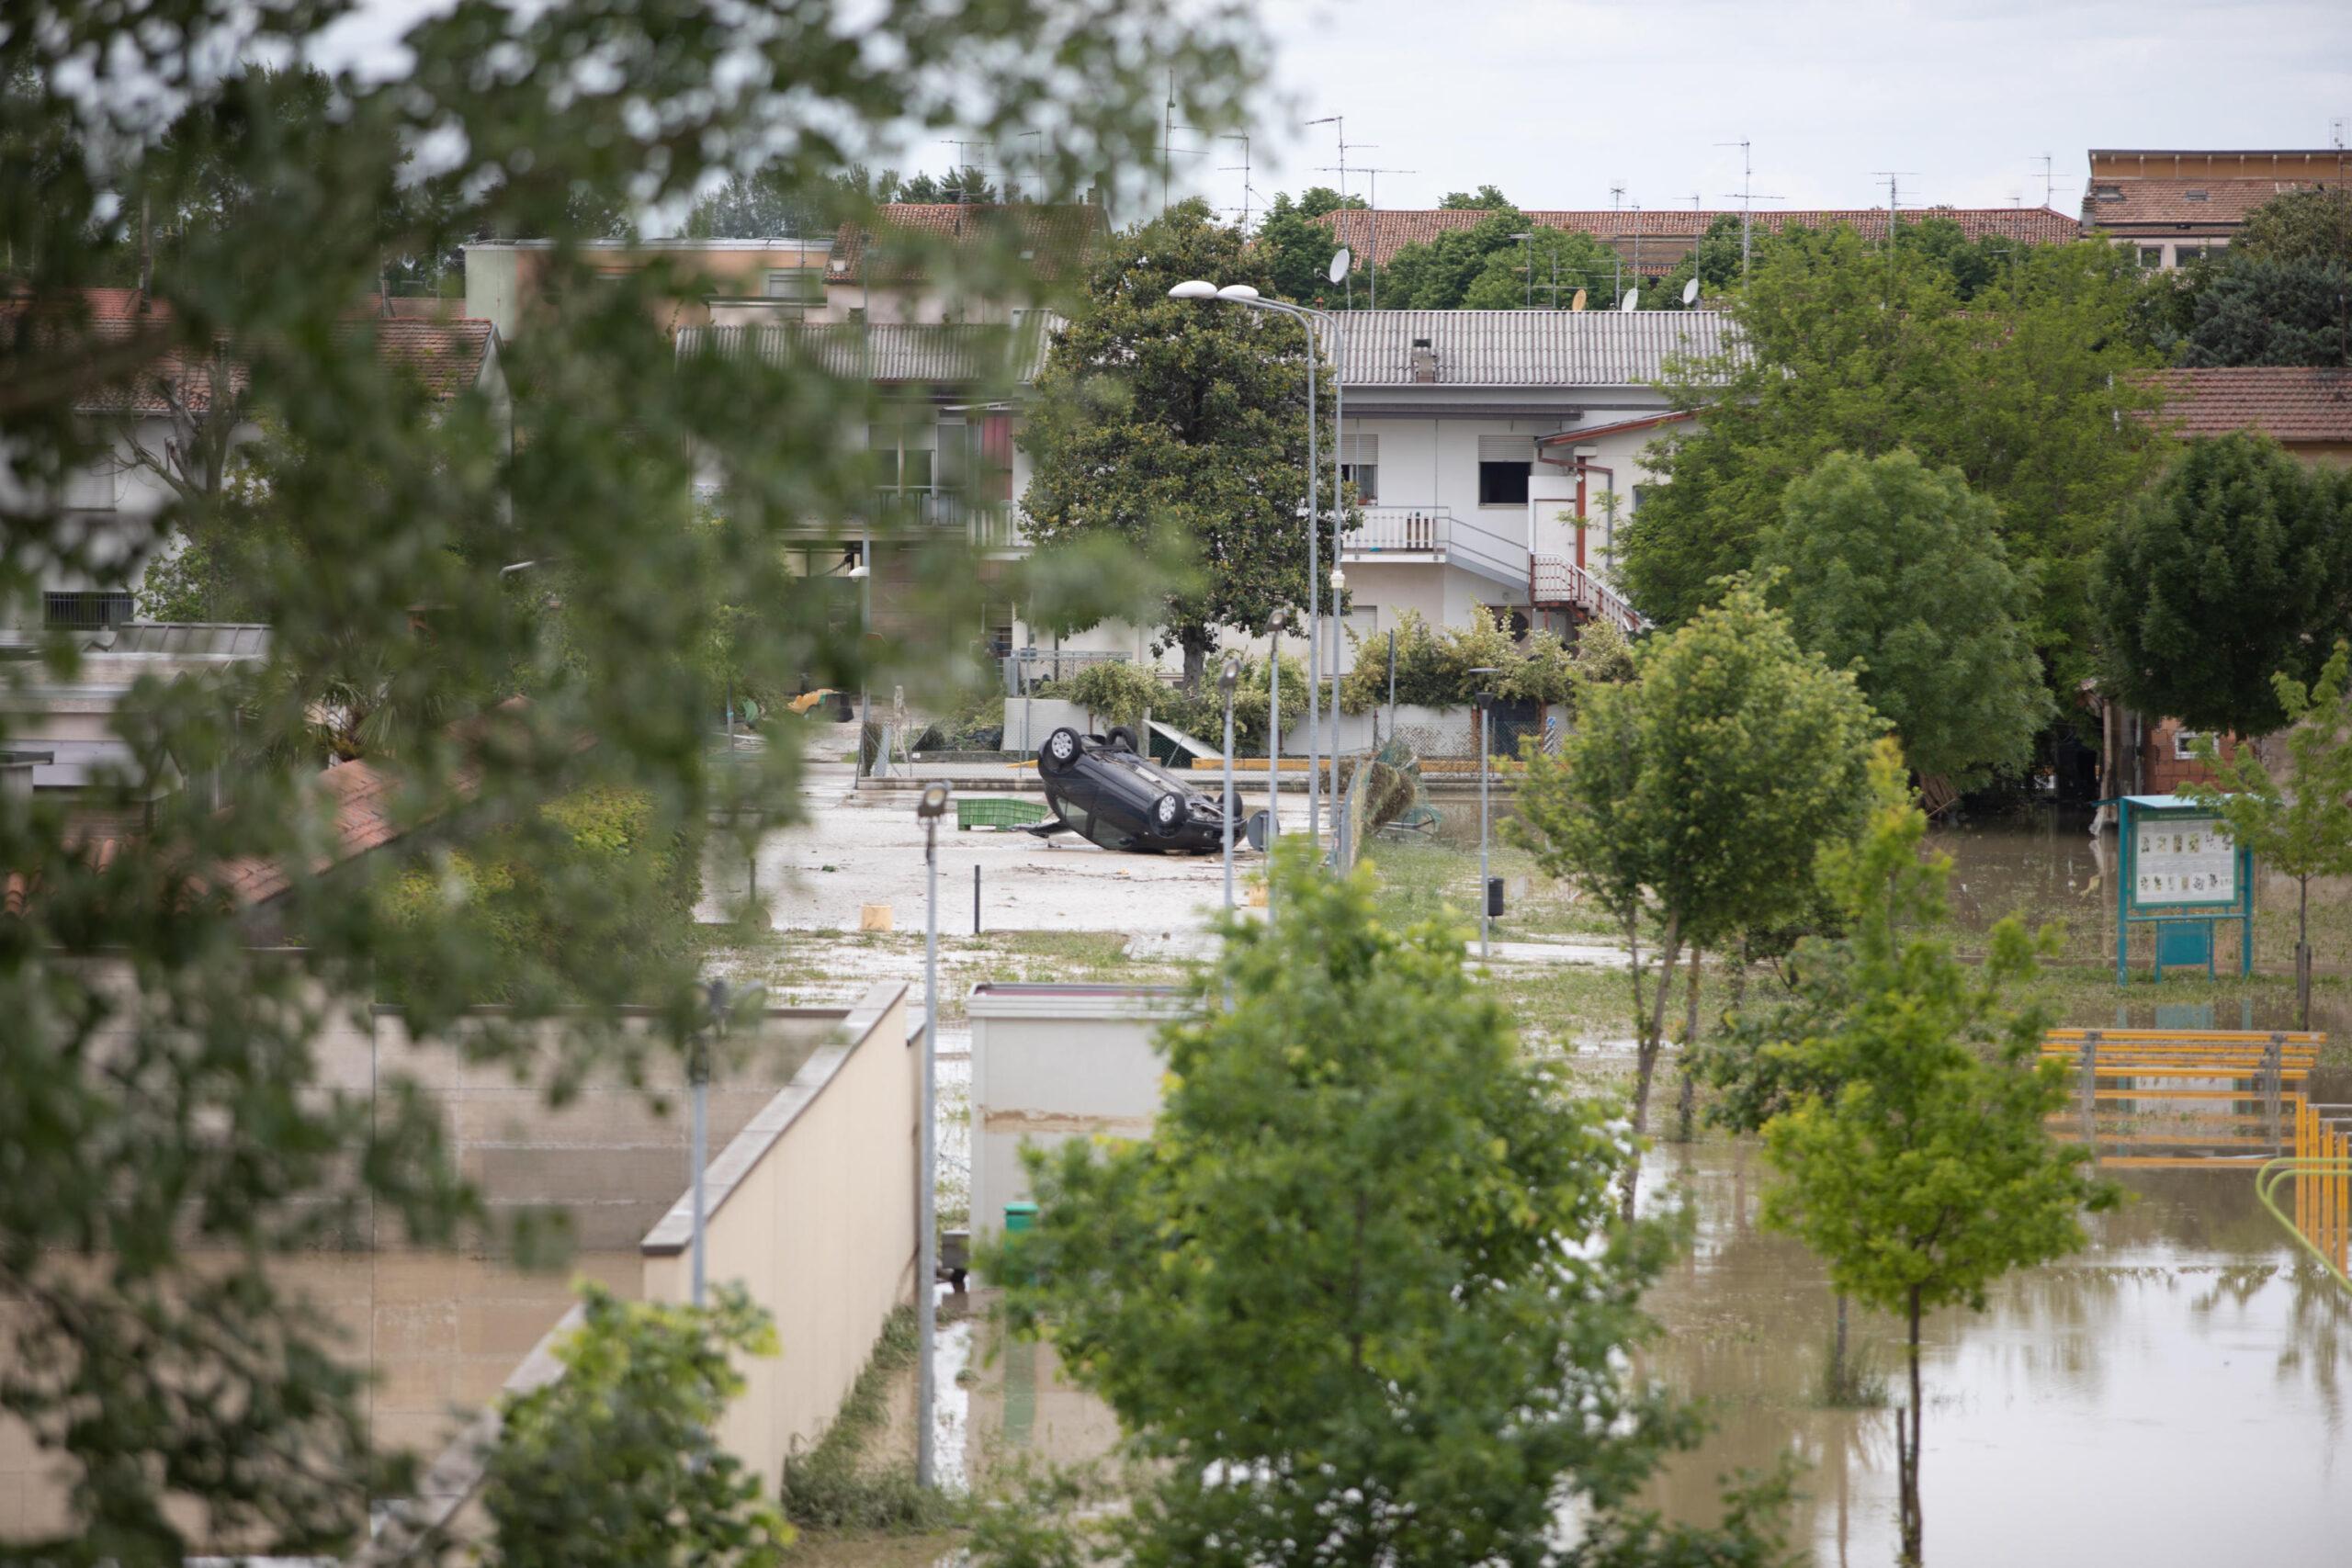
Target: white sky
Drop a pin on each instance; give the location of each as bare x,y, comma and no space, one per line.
1558,100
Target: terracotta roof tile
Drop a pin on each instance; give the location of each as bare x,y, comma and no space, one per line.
1060,238
2289,403
2173,202
1383,234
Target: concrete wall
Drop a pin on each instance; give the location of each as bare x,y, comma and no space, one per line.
811,1208
1053,1063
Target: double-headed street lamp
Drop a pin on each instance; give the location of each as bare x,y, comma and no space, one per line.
1243,294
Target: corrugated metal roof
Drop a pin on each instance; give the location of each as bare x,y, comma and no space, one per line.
1529,348
885,351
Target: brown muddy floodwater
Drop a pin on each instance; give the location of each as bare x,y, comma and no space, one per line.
2174,1396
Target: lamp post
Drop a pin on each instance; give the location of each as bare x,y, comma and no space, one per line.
699,1152
1243,294
1226,680
1485,744
930,808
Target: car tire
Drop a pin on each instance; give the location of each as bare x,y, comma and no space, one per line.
1122,738
1169,815
1062,750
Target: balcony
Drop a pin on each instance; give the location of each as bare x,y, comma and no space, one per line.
1558,582
1432,533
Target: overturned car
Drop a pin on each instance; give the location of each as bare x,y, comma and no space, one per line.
1103,790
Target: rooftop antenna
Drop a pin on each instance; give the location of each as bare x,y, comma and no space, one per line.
964,163
1617,195
2049,180
1036,160
1168,148
1372,245
1746,194
1893,178
1340,122
1242,169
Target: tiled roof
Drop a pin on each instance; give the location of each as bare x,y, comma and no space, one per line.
1387,231
884,351
1529,348
446,355
2289,403
1057,238
2172,202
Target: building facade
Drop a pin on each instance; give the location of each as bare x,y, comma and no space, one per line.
2176,206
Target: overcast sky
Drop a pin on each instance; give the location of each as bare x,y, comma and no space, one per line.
1558,100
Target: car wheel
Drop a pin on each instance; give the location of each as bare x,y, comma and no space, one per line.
1122,738
1168,814
1061,753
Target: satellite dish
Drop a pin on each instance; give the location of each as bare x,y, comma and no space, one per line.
1633,297
1690,292
1577,303
1341,259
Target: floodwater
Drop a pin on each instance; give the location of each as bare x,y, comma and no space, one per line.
2174,1395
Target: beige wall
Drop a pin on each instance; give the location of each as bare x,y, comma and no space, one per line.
812,1210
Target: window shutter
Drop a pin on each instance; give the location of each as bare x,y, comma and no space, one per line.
1506,448
1360,451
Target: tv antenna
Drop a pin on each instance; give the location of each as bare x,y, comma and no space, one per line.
1338,122
1371,240
1893,178
1242,168
1746,194
1168,148
964,164
2049,180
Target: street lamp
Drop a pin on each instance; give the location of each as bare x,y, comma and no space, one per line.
698,1153
1485,730
930,808
1226,680
1274,725
1243,294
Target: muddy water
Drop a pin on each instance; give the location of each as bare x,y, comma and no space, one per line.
2177,1394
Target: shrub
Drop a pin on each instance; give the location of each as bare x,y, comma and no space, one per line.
1116,690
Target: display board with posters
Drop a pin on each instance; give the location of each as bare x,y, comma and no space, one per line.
2182,860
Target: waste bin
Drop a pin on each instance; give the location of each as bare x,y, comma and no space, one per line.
1020,1217
1494,897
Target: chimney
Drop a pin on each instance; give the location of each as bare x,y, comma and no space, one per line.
1424,360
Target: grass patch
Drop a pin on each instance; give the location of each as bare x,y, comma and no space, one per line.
836,1487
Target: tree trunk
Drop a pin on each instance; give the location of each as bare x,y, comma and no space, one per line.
2303,951
1907,1447
1837,1384
1196,660
1649,1025
1687,1101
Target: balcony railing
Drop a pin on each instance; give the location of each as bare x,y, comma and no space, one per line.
1433,532
1559,580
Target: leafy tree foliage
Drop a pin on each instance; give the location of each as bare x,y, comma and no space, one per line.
1297,250
1362,1297
1488,198
1693,800
2236,567
2300,824
1156,414
2312,225
616,1462
1433,665
2236,310
1484,268
1845,348
1908,1132
167,1388
1897,572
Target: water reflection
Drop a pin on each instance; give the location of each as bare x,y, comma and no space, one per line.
2172,1396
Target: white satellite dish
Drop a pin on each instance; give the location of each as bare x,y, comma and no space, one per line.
1633,297
1577,303
1690,292
1341,259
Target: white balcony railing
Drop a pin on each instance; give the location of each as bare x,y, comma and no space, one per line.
1433,533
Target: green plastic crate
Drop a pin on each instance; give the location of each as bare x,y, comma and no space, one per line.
995,811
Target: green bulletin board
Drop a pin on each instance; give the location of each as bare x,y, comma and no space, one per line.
2183,875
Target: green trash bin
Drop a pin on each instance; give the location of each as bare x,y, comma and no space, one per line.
1018,1218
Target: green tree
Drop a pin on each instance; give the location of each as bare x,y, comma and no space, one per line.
1841,348
2238,310
1297,249
1897,572
2311,225
2233,568
1156,414
1563,260
1691,802
153,1348
1486,198
1436,273
615,1461
1362,1287
2303,825
1912,1156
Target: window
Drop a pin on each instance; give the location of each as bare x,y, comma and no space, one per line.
2196,195
1359,465
2107,193
84,612
1504,463
2184,743
2152,257
95,488
801,283
2183,255
1633,498
903,456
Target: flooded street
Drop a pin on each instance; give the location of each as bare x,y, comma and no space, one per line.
2174,1396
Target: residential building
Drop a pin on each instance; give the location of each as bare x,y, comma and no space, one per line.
1652,241
2174,208
174,423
